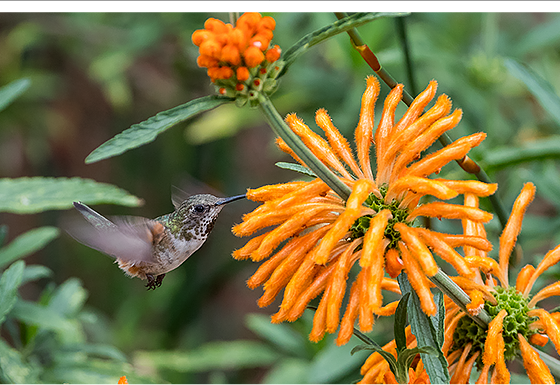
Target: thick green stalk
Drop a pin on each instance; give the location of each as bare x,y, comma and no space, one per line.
281,129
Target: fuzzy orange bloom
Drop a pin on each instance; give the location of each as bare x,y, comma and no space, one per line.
244,46
324,235
508,334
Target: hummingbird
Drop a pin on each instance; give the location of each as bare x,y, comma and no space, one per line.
150,248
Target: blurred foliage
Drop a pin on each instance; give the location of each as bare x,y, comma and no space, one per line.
72,81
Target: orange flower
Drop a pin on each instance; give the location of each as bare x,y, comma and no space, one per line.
325,236
238,55
515,318
122,380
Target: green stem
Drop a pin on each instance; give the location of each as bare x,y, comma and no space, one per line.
281,129
457,295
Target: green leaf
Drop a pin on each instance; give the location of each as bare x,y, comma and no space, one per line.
426,335
288,371
35,272
400,323
3,234
147,131
281,335
68,298
27,243
222,355
296,167
391,360
339,26
538,86
41,316
9,283
12,91
536,150
438,321
13,369
33,195
331,364
99,350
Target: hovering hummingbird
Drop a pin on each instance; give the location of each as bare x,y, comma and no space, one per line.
149,248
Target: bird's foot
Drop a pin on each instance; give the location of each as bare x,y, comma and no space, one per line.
154,283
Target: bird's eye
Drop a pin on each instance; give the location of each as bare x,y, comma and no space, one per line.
199,208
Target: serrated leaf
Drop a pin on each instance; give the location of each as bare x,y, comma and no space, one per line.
322,34
538,86
438,321
147,131
33,195
35,272
9,283
27,243
423,329
222,355
12,91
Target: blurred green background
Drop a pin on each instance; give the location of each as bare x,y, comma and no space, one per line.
95,74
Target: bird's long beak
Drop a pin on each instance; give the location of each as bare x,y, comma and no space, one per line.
223,201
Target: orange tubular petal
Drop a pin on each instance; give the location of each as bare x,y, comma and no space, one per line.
551,327
364,131
475,187
413,149
366,315
284,147
446,252
417,106
317,287
245,251
476,242
483,377
449,330
337,141
320,318
523,278
373,237
435,161
393,263
463,377
536,369
275,191
491,346
388,309
296,251
337,286
440,109
359,194
467,284
383,133
549,291
486,265
418,248
477,302
538,339
292,226
390,285
460,365
418,281
421,186
347,323
550,259
450,211
513,225
318,146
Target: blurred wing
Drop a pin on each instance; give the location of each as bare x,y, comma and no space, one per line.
130,239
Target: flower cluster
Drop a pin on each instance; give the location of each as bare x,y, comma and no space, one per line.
325,236
239,59
516,324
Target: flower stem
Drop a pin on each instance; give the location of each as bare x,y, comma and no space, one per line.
281,129
457,295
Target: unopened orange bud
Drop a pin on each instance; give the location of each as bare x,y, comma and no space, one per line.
206,61
238,38
257,82
242,74
201,35
239,87
225,73
273,54
210,48
230,54
267,22
222,91
253,56
215,25
248,21
260,41
213,72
